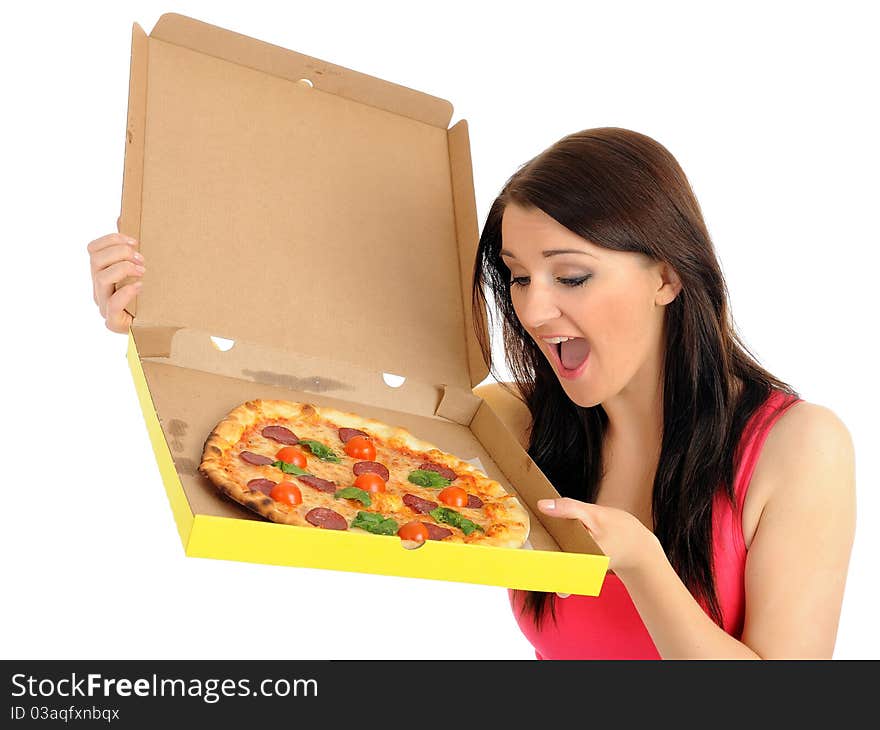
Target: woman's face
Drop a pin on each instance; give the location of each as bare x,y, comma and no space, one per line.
612,302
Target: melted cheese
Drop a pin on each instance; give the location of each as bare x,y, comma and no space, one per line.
390,503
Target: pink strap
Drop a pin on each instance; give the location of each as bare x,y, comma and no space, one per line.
757,430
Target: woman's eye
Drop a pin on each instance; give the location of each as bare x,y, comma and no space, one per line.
524,280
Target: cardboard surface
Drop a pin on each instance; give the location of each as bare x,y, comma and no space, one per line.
329,231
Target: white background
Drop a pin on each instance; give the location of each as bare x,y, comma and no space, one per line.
766,106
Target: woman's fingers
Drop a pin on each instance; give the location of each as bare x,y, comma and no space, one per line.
116,318
109,240
112,254
622,537
114,258
571,508
106,278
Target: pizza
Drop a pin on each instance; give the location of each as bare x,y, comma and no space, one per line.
312,466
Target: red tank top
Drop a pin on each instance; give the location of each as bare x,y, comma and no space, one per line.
608,626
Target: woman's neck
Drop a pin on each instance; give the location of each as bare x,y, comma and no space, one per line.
635,414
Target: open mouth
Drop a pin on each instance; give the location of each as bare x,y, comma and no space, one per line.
571,355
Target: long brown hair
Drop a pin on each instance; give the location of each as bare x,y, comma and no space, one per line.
625,191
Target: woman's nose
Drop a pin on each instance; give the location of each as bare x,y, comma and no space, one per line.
536,306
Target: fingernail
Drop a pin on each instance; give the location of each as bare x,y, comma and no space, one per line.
131,240
138,285
140,269
546,504
138,256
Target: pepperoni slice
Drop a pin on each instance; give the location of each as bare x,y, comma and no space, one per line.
281,434
418,504
346,434
323,485
435,532
256,459
474,502
362,467
261,485
443,471
326,518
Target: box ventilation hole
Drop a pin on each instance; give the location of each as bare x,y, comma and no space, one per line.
305,82
222,344
393,381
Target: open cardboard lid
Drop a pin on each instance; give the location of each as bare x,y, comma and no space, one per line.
299,206
329,228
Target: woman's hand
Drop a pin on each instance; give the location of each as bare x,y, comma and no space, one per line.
113,258
628,544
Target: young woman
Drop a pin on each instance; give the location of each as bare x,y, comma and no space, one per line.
725,503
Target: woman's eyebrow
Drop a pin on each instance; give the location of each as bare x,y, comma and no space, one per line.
553,252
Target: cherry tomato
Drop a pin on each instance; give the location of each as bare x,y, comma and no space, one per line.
360,447
414,531
292,456
287,492
370,482
453,496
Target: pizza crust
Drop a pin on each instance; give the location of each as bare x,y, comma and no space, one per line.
509,525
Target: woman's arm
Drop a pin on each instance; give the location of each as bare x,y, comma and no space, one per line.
797,562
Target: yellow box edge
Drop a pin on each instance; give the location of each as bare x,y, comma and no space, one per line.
226,538
183,516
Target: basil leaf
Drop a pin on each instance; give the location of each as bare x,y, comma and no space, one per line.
467,526
324,453
428,478
375,523
290,468
354,493
456,519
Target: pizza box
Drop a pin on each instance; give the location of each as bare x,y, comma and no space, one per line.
310,233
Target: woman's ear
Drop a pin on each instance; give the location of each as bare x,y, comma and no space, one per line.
670,285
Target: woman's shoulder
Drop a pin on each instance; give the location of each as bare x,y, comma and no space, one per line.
806,440
807,430
799,555
509,407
